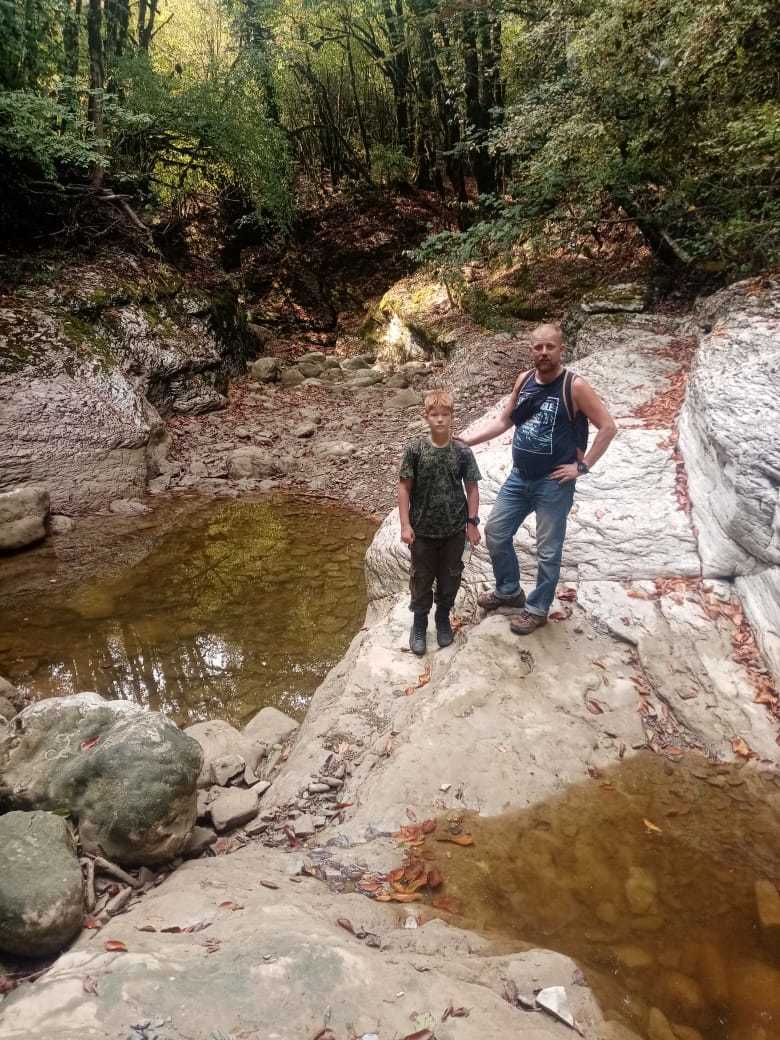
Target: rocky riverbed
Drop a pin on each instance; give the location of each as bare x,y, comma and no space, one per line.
332,900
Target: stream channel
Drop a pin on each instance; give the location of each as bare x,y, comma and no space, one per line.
201,609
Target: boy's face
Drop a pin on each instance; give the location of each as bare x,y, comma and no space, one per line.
439,420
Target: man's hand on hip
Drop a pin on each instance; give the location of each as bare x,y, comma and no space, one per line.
563,474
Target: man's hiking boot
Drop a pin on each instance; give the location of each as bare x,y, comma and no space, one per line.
444,633
524,624
492,601
417,643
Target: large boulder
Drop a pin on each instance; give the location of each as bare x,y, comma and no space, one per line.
41,894
266,369
128,776
270,726
254,463
728,429
226,753
23,513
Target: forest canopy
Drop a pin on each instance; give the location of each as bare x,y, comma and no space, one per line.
558,119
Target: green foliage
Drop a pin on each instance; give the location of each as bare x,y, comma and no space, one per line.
42,134
389,166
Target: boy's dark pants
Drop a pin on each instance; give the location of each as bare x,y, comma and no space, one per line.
439,560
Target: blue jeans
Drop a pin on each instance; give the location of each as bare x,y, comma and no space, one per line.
517,498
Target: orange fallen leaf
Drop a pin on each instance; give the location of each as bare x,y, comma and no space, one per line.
115,946
559,615
435,880
428,826
567,595
88,744
457,839
90,922
740,747
405,897
449,904
651,827
425,678
594,707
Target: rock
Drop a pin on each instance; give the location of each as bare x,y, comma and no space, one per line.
400,400
627,296
290,928
23,513
262,335
226,752
243,433
41,898
254,463
312,382
727,430
261,787
7,710
682,992
633,957
316,788
414,368
128,507
266,370
641,890
304,826
10,693
61,524
270,726
201,839
291,376
658,1027
310,369
760,595
354,364
686,1032
128,776
233,807
397,381
336,449
768,906
305,429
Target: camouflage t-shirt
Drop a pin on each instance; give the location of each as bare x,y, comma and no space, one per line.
439,507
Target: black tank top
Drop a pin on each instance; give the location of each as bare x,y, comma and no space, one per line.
548,438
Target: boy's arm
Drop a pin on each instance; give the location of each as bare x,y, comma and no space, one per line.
404,502
472,503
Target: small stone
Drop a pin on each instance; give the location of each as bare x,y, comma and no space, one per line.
640,889
7,710
303,827
61,524
291,377
354,364
232,808
337,449
318,788
266,369
249,777
767,905
128,507
397,381
305,429
333,781
242,433
319,821
200,839
633,957
226,767
658,1027
261,787
256,827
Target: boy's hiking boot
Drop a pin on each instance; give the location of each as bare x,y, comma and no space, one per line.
444,633
524,624
417,642
492,601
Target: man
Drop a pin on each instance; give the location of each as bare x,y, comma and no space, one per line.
549,409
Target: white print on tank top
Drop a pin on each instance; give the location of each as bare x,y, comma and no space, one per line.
536,435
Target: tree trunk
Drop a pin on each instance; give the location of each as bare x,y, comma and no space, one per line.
476,115
356,99
71,47
96,83
399,69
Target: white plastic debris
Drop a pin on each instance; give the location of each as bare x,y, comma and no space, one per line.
554,1001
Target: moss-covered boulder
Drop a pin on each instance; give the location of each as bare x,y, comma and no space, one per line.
127,776
41,896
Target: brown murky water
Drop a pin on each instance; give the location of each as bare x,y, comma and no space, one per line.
234,606
647,878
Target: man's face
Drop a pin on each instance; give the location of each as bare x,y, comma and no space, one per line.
546,352
439,420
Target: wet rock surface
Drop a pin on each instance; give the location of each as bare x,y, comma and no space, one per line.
126,775
23,513
41,900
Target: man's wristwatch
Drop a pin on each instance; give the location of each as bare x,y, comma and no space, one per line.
582,468
473,520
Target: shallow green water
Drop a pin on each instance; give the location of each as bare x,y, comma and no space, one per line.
236,605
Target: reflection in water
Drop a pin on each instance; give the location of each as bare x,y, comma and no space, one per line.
241,605
648,879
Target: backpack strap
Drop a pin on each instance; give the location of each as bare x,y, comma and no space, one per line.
524,380
568,393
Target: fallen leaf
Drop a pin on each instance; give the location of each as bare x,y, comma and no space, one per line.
343,805
559,615
567,595
268,884
457,839
89,984
428,826
115,946
434,878
405,897
173,929
7,984
324,1034
740,747
449,904
594,707
91,922
651,827
346,924
146,928
88,744
425,677
230,905
291,839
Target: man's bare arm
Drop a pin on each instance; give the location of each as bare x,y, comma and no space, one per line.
588,401
496,426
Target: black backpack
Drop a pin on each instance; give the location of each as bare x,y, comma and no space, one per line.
579,420
460,450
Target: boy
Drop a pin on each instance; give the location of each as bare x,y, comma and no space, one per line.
437,517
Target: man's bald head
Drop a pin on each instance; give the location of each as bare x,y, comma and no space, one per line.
547,334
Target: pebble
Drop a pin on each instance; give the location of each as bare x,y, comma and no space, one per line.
303,827
318,788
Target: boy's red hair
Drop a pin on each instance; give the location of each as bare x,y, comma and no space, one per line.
439,399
